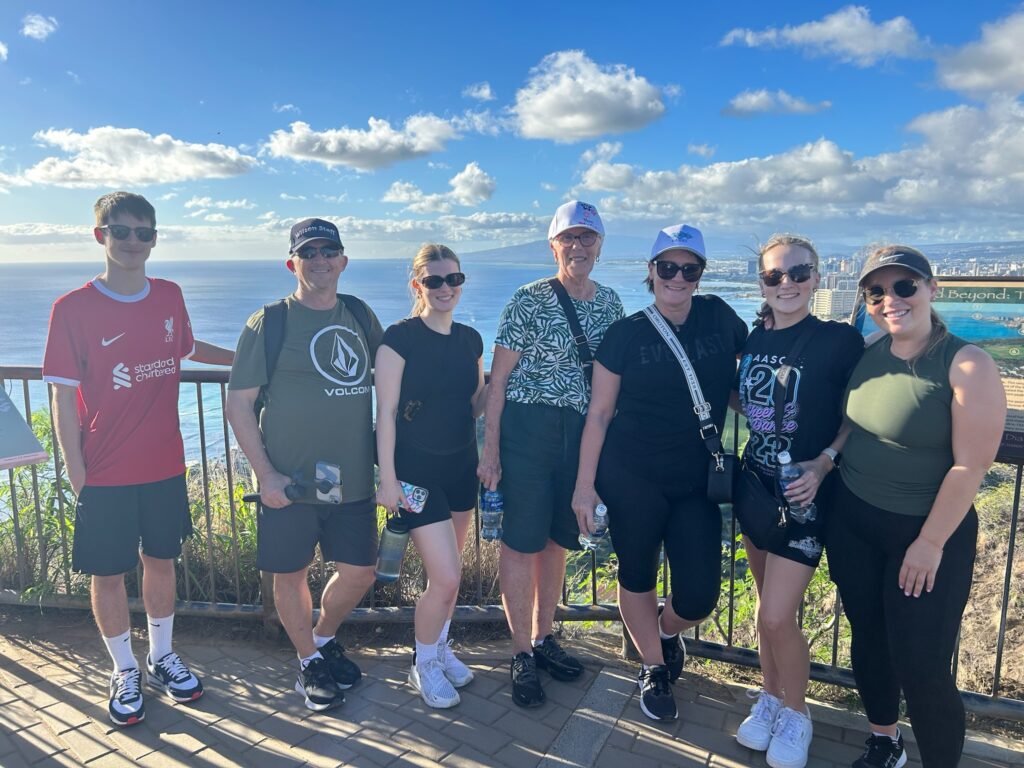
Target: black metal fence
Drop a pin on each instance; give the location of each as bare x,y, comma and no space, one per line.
218,577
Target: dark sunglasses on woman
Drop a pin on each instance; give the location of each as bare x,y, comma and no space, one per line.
668,269
799,273
121,232
310,252
433,282
904,289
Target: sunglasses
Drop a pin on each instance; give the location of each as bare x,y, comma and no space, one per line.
904,289
587,239
800,273
433,282
327,251
666,270
121,232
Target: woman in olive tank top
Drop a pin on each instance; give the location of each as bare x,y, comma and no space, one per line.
925,411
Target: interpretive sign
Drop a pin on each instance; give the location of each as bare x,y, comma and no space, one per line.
18,446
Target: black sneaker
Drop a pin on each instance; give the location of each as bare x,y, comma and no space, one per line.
343,670
672,650
169,674
526,690
656,699
882,752
126,706
317,685
560,665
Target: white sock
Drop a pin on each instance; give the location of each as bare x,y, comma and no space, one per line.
895,739
320,640
303,663
160,631
662,631
425,652
444,633
120,650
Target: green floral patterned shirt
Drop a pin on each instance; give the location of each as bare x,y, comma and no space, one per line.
549,370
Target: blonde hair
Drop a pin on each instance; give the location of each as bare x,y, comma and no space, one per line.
781,238
427,253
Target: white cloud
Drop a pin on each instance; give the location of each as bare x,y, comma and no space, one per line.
994,64
470,186
547,186
7,181
25,81
167,196
286,196
343,197
3,52
216,218
437,166
267,216
74,77
220,205
702,150
379,146
848,35
479,91
38,27
279,108
197,213
778,102
109,156
569,98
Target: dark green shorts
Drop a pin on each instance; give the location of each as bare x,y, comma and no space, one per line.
540,453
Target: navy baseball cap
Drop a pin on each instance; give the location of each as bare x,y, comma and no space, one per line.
313,229
896,256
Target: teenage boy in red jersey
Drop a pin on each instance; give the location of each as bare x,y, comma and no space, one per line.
113,355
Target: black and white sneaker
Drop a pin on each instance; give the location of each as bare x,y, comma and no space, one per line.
170,675
343,670
526,690
126,706
552,658
316,683
656,699
882,752
673,651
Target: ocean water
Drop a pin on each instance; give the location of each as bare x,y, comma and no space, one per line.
220,296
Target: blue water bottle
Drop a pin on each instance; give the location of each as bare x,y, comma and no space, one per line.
492,505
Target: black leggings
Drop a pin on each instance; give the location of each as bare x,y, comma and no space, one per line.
643,514
898,641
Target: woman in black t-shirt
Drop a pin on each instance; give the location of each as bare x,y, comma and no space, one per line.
642,450
430,390
779,721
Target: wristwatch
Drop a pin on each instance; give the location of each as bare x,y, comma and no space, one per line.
833,455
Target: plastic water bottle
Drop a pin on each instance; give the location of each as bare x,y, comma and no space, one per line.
492,505
788,472
393,541
600,526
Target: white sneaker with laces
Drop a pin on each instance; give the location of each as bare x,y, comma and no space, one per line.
436,689
126,706
755,732
791,737
170,675
456,672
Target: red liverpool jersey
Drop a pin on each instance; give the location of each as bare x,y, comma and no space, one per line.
124,354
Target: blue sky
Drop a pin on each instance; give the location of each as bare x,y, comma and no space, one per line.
469,123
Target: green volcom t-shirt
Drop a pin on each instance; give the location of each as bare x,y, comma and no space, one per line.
319,402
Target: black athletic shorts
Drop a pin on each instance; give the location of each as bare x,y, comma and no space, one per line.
111,521
286,538
450,480
804,541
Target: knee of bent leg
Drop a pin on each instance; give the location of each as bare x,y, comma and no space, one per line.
693,606
446,582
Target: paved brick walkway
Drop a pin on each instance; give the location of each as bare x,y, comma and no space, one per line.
53,712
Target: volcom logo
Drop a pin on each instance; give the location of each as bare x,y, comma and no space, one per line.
169,329
122,378
340,356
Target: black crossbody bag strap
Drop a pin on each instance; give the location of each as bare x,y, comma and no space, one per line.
578,336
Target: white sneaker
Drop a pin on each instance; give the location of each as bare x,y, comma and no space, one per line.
791,737
756,731
437,691
456,672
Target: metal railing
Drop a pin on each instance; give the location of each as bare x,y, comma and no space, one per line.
218,577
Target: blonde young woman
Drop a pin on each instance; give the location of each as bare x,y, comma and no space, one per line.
430,389
779,721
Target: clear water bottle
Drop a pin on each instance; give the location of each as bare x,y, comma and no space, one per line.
492,505
393,541
600,526
788,472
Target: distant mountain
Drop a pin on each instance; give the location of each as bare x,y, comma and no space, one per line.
615,247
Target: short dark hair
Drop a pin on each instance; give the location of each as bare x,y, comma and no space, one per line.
114,203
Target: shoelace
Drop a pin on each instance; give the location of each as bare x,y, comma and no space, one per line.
525,669
879,751
174,667
128,687
657,678
762,709
787,727
553,649
318,673
433,679
445,654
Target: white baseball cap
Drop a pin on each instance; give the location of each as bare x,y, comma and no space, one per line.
575,214
679,237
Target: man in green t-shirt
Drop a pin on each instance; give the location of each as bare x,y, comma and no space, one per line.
311,445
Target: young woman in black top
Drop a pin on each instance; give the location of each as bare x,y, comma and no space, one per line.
430,389
779,721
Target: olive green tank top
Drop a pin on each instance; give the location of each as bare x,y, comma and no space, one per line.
901,446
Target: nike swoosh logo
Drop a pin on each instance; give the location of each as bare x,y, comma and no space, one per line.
108,342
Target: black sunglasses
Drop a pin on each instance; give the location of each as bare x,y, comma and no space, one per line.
433,282
121,232
668,269
327,251
800,273
904,289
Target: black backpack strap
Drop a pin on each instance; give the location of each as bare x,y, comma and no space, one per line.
578,336
274,316
361,313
